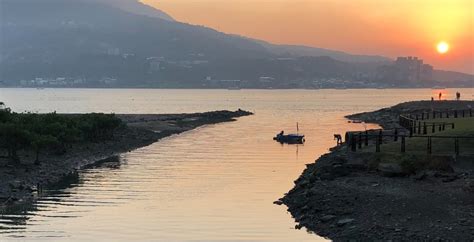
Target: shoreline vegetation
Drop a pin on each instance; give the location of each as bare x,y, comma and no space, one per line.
41,149
367,196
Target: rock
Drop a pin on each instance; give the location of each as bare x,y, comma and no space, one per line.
339,170
333,171
345,221
469,186
327,218
357,164
391,169
450,178
278,202
420,176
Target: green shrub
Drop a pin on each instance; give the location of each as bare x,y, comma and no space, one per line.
30,131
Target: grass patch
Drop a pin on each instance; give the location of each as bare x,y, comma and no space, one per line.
410,163
440,146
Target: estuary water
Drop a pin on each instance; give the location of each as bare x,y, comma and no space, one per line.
215,183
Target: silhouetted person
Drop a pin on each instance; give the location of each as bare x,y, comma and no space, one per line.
432,99
458,96
440,96
338,137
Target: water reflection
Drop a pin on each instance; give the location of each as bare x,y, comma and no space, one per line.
216,183
15,219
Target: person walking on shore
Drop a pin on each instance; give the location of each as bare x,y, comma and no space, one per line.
458,96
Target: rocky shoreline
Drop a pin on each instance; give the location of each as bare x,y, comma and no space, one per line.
348,196
20,183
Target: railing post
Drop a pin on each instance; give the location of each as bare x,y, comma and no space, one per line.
456,146
419,127
360,140
395,138
412,127
353,143
429,145
366,138
403,148
425,129
455,113
380,137
463,113
377,146
440,128
453,125
433,128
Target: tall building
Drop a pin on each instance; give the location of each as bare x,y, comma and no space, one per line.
409,70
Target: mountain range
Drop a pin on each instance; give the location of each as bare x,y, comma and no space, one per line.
132,44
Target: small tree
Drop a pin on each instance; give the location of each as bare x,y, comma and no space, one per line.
13,138
40,142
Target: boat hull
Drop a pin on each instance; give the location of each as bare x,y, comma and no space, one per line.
290,139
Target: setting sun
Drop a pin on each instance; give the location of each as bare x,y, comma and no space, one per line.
442,47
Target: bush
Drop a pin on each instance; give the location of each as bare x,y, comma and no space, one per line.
30,131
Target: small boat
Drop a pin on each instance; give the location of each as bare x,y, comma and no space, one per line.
290,138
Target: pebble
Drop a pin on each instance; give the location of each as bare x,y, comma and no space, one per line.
327,218
345,221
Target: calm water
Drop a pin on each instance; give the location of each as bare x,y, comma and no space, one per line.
215,183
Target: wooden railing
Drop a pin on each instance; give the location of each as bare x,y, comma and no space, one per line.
414,126
360,140
464,113
423,127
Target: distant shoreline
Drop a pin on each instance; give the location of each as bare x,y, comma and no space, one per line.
242,89
19,183
348,196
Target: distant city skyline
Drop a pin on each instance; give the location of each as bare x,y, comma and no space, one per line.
404,28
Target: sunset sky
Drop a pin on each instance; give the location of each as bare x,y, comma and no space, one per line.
377,27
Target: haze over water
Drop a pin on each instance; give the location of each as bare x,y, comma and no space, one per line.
215,183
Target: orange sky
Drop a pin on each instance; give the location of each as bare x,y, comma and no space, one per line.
379,27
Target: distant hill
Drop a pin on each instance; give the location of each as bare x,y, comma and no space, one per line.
126,43
453,77
68,29
136,7
299,51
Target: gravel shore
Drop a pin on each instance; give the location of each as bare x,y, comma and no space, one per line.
19,182
344,196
